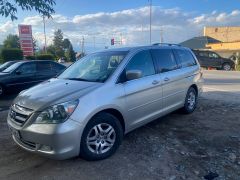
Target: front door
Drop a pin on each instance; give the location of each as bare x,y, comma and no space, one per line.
143,96
23,77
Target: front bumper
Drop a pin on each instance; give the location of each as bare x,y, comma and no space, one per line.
55,141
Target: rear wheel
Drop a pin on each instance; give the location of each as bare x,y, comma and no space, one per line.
226,67
190,101
101,137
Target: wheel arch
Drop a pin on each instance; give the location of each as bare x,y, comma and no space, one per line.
194,86
115,113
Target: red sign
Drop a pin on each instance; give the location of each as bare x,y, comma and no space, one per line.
26,41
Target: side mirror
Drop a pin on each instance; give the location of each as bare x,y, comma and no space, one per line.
133,74
18,72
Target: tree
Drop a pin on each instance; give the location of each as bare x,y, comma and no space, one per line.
51,50
58,43
70,54
35,47
10,54
10,8
12,41
66,43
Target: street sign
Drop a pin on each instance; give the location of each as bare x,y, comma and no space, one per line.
26,40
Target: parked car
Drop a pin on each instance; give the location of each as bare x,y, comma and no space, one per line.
24,74
6,65
212,59
88,108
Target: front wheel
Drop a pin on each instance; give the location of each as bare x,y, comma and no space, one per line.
190,101
101,137
226,67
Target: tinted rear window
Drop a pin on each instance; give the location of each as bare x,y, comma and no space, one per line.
44,66
186,58
165,59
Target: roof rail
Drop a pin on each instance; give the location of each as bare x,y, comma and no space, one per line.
166,44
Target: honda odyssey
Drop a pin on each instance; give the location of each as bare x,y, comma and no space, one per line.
88,108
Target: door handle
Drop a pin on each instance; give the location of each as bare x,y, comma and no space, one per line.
155,82
166,79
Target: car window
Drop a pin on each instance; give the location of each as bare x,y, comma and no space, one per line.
44,66
165,59
203,54
97,67
186,58
213,55
57,67
27,68
142,61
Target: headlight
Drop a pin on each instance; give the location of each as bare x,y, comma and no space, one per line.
57,113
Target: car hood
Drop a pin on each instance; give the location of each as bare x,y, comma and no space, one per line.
53,91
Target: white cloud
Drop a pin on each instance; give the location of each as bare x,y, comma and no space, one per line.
131,24
6,27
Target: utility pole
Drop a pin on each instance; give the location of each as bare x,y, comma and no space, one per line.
45,37
161,35
150,21
94,42
82,44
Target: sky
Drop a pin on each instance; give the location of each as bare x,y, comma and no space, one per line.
98,21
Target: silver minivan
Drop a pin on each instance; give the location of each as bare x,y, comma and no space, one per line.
88,108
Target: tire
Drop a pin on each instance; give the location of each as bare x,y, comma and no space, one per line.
190,101
98,140
226,67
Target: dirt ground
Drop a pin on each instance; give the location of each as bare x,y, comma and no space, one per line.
173,147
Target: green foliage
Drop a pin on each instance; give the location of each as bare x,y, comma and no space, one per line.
40,57
238,65
10,8
58,43
12,41
70,54
9,54
66,43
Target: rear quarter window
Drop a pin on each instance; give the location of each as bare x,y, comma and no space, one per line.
186,58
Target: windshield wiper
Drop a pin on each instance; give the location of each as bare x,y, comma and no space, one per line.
79,79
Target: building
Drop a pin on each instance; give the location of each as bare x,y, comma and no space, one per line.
199,42
223,34
229,38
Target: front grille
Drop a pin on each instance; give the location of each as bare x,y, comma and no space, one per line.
19,114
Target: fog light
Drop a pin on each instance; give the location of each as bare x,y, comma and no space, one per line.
45,148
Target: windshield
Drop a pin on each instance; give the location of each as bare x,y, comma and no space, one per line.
96,67
5,65
11,68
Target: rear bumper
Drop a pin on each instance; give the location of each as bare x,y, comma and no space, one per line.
55,141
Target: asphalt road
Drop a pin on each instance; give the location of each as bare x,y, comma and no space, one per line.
222,85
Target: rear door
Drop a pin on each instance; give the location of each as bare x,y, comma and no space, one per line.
57,68
143,96
44,71
172,80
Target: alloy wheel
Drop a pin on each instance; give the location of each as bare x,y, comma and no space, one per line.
227,67
101,138
191,100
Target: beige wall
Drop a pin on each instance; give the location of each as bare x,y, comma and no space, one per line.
224,34
224,46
